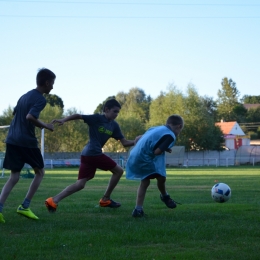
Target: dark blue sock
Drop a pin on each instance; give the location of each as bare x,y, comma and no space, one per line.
1,207
26,203
139,208
164,195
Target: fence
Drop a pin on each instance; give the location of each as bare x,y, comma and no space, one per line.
52,163
177,158
221,162
247,154
57,163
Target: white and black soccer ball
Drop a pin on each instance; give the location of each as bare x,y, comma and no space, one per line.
221,192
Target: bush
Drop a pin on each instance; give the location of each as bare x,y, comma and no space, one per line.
253,135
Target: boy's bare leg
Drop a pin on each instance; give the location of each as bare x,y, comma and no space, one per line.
39,173
52,202
117,174
161,185
77,186
141,192
13,179
170,203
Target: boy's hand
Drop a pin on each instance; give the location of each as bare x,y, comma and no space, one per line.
137,138
58,121
169,150
49,127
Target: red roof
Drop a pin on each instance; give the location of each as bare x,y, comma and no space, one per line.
226,127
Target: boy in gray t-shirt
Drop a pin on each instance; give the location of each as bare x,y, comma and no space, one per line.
21,142
101,128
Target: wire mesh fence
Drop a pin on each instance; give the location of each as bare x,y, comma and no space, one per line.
245,155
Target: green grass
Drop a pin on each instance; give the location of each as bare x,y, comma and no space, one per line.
198,229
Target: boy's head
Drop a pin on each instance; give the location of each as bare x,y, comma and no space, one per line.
111,109
45,78
176,123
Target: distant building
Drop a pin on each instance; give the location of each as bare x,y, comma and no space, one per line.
233,135
251,106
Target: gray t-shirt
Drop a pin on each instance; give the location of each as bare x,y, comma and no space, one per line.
22,131
100,130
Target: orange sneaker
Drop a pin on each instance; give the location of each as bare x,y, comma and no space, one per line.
109,203
51,205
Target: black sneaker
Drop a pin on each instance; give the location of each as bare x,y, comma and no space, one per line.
170,203
138,213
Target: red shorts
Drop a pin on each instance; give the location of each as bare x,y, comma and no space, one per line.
89,165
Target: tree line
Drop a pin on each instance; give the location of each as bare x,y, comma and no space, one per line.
139,112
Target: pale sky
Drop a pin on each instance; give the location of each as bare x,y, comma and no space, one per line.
98,48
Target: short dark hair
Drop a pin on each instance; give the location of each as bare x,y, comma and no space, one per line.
175,120
43,75
111,103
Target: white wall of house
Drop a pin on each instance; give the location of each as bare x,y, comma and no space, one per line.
230,144
236,130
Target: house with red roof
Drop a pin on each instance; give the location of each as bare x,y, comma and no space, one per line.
233,135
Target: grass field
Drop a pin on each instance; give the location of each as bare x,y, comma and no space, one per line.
198,229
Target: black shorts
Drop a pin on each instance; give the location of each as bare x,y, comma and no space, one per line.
17,156
153,176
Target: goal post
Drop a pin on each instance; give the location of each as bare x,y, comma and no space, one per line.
1,167
2,155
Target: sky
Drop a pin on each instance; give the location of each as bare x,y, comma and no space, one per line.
100,48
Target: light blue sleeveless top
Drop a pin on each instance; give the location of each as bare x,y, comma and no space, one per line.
142,162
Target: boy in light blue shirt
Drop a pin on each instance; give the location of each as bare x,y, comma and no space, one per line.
147,160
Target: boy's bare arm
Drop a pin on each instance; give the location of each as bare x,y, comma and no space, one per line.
158,151
39,123
68,118
137,138
127,143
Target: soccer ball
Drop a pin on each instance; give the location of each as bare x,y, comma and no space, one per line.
221,192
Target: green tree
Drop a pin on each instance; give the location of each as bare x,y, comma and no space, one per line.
240,113
121,97
54,100
132,118
211,106
166,104
70,137
135,103
130,127
253,115
5,119
75,134
52,140
7,116
258,132
227,100
200,132
247,99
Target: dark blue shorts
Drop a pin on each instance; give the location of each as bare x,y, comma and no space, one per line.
89,165
17,156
